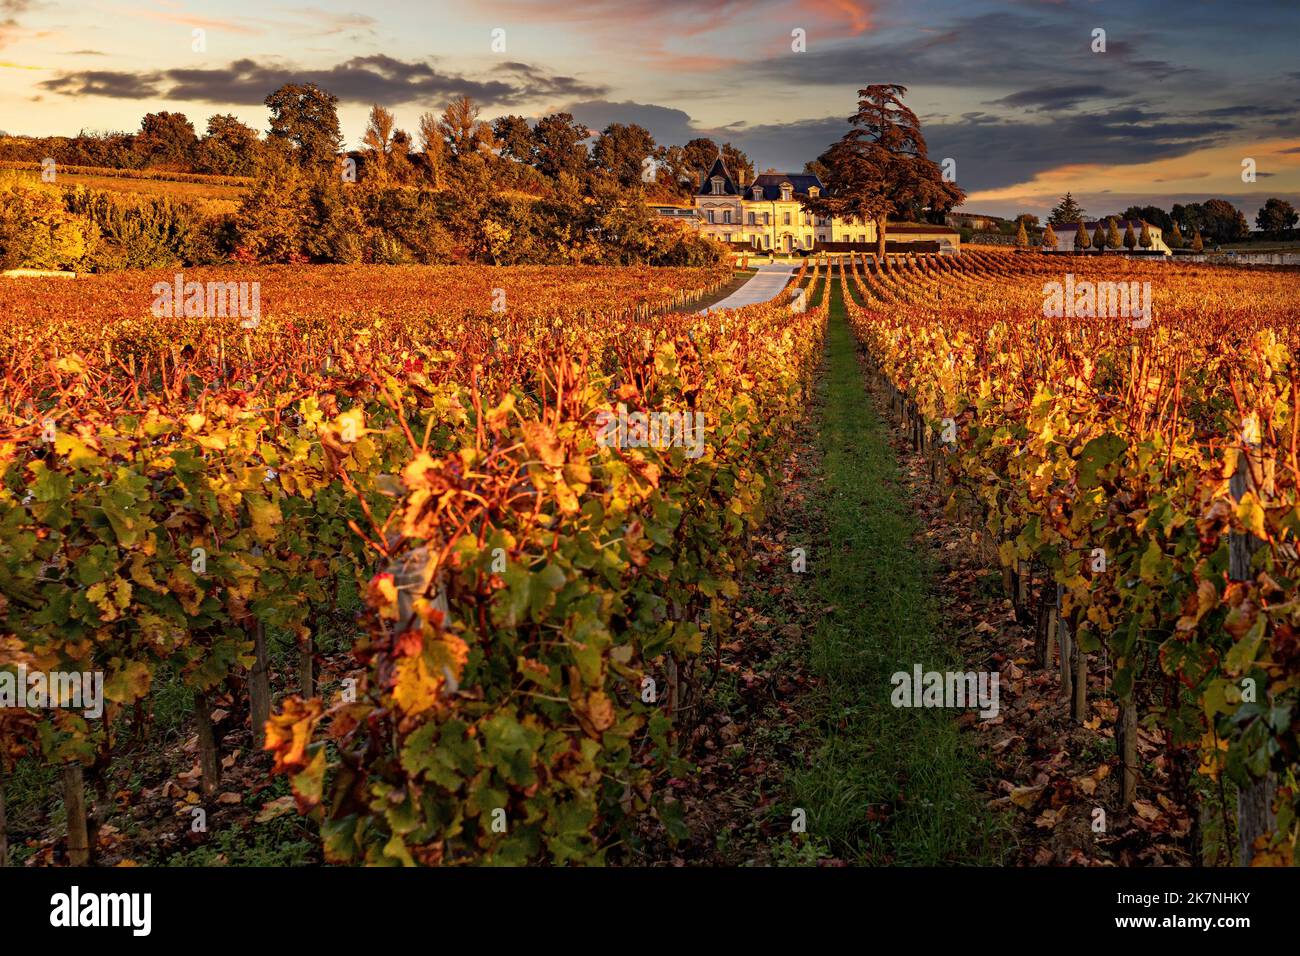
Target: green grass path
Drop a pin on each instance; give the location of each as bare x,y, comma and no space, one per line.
883,784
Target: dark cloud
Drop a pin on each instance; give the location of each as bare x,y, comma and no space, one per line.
1003,48
786,146
668,126
1054,97
1248,111
993,155
365,79
125,86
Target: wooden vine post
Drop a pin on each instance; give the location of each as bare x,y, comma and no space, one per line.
4,823
259,686
1047,616
1254,801
209,762
74,805
1079,661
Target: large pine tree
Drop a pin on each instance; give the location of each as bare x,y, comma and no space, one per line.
880,168
1067,210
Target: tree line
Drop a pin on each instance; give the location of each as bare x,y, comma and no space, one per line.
1215,220
460,189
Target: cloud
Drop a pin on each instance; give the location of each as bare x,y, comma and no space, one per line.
1054,97
190,20
331,23
1049,44
377,78
993,155
126,86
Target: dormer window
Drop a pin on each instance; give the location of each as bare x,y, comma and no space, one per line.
758,193
786,191
716,182
813,191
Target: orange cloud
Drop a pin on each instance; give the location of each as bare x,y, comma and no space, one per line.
1208,171
189,20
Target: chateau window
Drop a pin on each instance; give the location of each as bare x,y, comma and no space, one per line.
726,215
758,193
717,185
813,191
711,219
727,236
787,219
785,193
767,219
767,242
753,219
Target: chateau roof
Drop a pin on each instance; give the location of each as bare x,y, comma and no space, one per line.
771,184
719,168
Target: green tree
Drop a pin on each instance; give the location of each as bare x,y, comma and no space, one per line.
1130,240
1152,214
516,139
305,123
230,148
1223,222
1144,240
433,149
1175,240
1081,239
880,167
1067,210
1022,237
1049,237
622,150
1276,216
38,232
272,218
561,147
1099,236
1113,238
167,139
378,143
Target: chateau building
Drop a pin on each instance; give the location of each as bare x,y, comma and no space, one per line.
766,213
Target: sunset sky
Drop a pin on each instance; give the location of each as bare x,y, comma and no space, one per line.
1010,89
